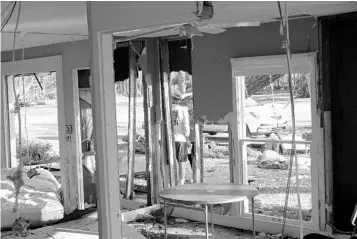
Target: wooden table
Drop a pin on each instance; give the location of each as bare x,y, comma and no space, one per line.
208,194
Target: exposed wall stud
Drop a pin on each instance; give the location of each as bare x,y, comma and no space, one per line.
132,123
152,78
165,90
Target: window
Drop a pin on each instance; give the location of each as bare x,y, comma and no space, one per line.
262,137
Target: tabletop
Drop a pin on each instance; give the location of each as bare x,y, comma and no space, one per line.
203,193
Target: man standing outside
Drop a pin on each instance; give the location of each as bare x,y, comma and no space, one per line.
180,118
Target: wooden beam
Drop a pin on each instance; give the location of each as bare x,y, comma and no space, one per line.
200,156
166,100
10,120
149,153
138,213
153,79
198,165
131,123
5,152
4,162
77,145
104,108
328,166
239,159
231,155
130,204
318,216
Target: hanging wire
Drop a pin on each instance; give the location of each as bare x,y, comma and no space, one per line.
284,30
17,176
8,17
7,7
24,94
13,68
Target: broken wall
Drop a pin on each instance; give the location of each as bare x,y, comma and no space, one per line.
211,67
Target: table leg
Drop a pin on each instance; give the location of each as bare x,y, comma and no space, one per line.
212,224
253,218
206,220
165,219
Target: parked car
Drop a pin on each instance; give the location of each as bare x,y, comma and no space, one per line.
260,119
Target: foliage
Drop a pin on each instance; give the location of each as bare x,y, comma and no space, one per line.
301,86
281,85
33,91
38,150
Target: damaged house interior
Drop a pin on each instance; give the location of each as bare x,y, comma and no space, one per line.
178,119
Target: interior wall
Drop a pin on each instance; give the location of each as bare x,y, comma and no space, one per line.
211,68
74,55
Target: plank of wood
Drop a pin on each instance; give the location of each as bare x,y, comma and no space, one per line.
148,141
130,204
135,214
196,165
328,166
132,123
4,125
166,96
152,78
199,152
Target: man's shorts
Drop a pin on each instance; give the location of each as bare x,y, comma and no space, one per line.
181,151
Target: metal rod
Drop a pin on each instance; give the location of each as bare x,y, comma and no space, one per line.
165,219
212,224
206,220
253,217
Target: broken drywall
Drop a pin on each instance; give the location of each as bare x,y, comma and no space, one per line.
211,67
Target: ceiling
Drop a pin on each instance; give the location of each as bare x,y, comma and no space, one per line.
67,21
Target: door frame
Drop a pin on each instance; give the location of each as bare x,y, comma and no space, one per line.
274,64
77,131
48,64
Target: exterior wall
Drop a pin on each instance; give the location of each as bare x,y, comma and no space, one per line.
74,55
211,68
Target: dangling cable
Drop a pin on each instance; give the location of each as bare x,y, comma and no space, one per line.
16,177
8,16
284,30
25,106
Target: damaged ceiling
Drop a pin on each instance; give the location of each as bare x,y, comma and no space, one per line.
54,22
